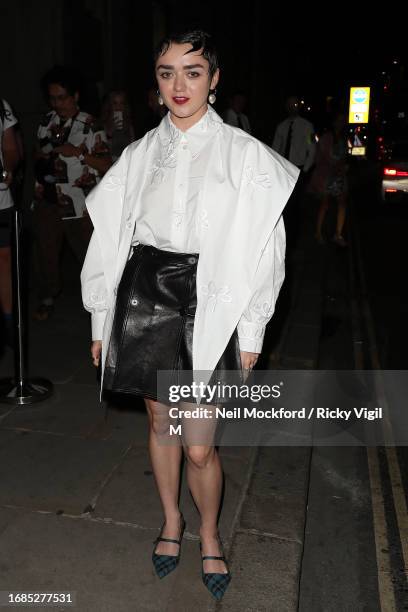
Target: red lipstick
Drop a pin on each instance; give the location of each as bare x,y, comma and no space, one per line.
180,100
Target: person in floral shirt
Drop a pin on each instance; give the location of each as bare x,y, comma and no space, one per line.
72,155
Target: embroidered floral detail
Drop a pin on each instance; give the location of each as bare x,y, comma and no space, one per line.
128,220
264,312
258,180
205,224
94,299
211,292
174,134
112,182
157,170
259,312
177,219
167,159
159,167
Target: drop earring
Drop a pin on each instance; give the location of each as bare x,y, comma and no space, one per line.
212,97
160,99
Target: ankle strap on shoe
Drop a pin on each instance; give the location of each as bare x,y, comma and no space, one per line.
168,540
212,557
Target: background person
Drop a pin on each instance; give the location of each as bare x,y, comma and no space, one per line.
67,144
295,140
117,122
295,137
234,114
329,178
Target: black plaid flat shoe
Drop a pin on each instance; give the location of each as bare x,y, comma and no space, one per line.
217,584
164,564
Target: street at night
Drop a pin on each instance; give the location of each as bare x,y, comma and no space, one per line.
118,251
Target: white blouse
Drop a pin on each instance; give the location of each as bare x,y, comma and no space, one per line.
169,217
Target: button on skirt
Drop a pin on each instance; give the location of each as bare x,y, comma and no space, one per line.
153,323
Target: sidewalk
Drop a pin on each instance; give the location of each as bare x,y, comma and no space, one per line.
78,504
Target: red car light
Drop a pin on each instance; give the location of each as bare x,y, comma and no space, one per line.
394,172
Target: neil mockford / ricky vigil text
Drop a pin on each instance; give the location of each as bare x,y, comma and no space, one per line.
276,413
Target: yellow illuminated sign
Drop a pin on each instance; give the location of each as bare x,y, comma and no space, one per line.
358,151
359,104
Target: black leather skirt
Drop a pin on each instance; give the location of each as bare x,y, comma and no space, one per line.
154,321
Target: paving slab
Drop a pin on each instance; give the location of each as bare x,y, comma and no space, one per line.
5,409
131,494
70,410
106,565
75,410
264,575
301,346
54,472
131,425
276,499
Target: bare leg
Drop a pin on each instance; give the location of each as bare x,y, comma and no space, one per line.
165,457
205,478
320,217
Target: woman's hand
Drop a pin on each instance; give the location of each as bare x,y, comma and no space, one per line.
96,349
248,360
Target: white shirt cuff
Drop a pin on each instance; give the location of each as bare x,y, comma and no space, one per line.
250,336
97,322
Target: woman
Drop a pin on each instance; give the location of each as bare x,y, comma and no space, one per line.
117,122
191,214
329,178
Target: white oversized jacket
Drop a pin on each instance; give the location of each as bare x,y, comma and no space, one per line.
240,268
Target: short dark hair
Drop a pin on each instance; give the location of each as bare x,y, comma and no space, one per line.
198,39
65,76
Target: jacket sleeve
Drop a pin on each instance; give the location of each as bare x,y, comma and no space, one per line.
268,281
104,204
94,289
